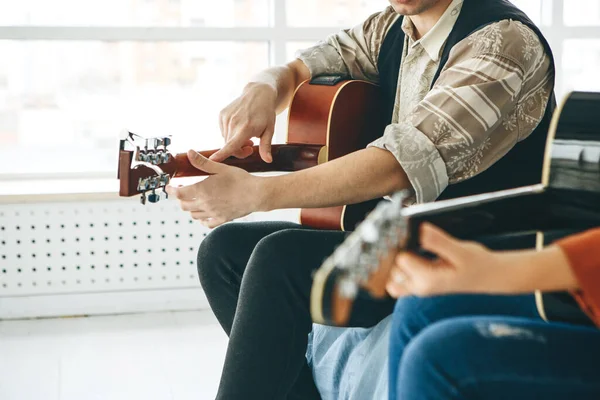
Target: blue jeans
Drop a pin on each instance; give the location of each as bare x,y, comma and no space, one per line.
492,347
501,358
413,314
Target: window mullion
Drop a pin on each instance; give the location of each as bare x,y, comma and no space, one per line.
135,33
280,32
558,33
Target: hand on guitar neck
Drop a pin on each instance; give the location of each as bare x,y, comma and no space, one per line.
252,114
238,193
328,124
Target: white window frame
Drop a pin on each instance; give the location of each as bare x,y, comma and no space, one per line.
278,34
556,32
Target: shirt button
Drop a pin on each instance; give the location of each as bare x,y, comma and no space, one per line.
454,12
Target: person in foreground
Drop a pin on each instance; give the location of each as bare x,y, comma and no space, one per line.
468,87
493,357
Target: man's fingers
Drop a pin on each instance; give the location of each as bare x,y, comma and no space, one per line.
172,190
212,223
222,127
244,152
190,205
228,150
265,145
202,163
199,215
187,193
437,241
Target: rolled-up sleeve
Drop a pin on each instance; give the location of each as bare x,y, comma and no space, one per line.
486,99
351,52
419,157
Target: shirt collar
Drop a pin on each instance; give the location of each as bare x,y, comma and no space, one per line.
434,40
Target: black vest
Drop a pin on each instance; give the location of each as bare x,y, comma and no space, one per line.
522,166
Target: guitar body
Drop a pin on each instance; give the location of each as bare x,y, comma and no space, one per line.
567,200
344,117
328,118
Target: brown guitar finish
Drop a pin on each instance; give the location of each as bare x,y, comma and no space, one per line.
328,218
346,118
309,112
285,158
325,122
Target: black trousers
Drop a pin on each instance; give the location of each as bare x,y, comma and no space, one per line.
257,277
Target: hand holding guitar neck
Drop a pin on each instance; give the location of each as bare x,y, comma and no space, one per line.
325,122
250,115
238,193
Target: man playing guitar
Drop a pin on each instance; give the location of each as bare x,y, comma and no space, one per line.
468,87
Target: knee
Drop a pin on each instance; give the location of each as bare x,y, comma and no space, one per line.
275,256
431,343
212,248
275,248
407,320
434,356
406,308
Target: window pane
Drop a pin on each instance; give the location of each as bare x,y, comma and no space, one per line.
582,13
221,13
348,13
581,63
343,13
62,104
533,9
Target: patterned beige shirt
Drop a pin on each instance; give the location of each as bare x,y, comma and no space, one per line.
491,94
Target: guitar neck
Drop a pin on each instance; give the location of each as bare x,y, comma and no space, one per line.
518,211
286,157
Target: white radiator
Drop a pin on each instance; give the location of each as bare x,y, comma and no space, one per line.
101,257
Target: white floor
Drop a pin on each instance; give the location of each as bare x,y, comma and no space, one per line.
166,356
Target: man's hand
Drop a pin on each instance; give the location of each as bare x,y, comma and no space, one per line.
227,194
250,115
461,267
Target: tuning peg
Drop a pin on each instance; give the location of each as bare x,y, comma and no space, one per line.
165,192
152,158
143,198
163,157
153,197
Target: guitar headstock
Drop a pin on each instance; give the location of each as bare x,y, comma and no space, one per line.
145,165
363,260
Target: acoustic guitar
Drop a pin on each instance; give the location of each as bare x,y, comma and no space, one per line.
328,118
566,200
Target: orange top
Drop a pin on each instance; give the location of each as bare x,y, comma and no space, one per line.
583,252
